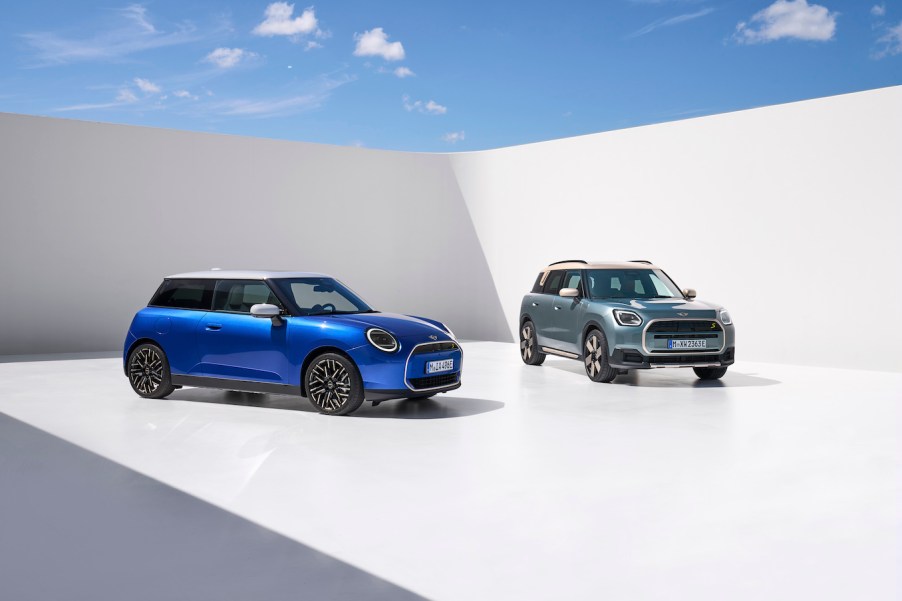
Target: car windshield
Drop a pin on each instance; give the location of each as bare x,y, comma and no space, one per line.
630,283
321,296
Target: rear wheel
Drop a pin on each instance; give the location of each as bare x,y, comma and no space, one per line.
148,372
595,357
334,385
710,373
529,345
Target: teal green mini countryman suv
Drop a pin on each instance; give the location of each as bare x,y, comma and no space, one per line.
620,316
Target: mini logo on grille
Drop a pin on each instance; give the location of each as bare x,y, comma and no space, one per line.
682,314
433,337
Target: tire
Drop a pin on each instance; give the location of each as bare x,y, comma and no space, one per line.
333,384
595,358
710,373
148,372
529,345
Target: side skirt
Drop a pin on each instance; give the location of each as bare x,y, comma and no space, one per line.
554,351
229,384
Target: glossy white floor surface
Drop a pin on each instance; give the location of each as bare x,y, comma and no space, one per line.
534,483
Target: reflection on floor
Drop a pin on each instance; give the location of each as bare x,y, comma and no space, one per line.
533,482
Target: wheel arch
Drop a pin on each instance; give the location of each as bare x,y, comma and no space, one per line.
136,344
591,324
321,350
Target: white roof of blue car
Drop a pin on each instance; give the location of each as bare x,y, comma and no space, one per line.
225,274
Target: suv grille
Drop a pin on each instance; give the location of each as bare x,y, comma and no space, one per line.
685,326
434,347
434,381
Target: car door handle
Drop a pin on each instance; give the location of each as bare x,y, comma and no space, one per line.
214,327
535,304
557,308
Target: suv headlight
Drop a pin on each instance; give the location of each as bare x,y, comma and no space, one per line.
382,340
627,318
725,318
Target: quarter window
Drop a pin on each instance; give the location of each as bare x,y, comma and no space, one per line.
184,294
238,296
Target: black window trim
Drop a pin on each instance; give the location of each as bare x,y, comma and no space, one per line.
163,283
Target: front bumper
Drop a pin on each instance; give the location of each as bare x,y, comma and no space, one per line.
404,375
634,359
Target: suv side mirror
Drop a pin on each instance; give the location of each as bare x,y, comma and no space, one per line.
267,311
689,293
569,292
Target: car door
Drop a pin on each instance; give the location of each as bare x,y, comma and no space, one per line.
542,307
233,344
179,306
566,314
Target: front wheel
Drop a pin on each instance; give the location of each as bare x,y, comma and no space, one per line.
334,385
148,372
595,354
710,373
529,345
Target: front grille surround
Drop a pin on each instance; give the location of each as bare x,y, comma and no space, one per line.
438,381
683,329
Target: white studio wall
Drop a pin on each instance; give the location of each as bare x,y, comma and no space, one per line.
94,215
788,215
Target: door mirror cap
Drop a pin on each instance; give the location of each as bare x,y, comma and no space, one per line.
569,292
689,293
264,310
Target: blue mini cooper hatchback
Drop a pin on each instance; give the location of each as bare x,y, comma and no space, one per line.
289,333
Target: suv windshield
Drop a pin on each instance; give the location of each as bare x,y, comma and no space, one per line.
320,296
630,283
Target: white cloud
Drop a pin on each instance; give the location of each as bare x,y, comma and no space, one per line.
132,33
147,86
431,107
878,10
126,96
890,43
671,21
788,19
375,43
185,94
314,97
453,137
311,45
403,72
227,58
278,21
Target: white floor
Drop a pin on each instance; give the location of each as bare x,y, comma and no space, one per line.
534,483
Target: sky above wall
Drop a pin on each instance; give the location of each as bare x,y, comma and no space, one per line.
435,76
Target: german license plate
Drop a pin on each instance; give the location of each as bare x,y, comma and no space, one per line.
434,367
690,344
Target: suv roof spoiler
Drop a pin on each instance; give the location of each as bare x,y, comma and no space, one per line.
567,261
641,261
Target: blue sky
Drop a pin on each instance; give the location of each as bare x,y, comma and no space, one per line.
435,76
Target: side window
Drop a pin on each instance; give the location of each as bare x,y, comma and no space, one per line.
553,282
238,296
573,279
184,294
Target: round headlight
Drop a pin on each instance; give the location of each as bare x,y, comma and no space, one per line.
382,340
627,318
725,317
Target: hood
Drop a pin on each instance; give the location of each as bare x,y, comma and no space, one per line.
671,307
399,325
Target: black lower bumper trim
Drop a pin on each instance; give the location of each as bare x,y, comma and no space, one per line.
388,395
633,359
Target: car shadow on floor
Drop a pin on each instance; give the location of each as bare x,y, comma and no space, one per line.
437,407
671,378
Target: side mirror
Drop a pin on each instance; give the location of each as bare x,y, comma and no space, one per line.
268,311
569,292
689,293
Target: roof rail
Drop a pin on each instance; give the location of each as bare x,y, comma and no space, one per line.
640,261
567,261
